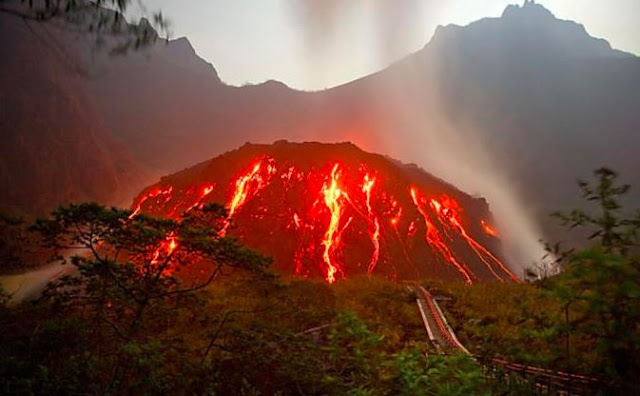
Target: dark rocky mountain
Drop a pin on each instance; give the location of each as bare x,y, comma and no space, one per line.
514,108
54,146
335,211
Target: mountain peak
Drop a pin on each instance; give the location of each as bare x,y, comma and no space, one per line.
312,207
529,30
529,9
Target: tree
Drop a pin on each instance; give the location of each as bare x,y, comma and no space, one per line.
97,17
133,277
601,284
439,375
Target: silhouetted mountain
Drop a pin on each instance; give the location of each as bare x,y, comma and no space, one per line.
547,99
55,148
525,101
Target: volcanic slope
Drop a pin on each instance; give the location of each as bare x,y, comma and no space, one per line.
335,211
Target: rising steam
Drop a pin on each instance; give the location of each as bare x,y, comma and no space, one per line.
388,25
450,150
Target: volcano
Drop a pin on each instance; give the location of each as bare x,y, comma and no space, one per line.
335,211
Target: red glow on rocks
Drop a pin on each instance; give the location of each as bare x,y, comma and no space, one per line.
448,212
162,253
154,193
242,190
334,219
247,186
434,239
488,229
332,199
374,233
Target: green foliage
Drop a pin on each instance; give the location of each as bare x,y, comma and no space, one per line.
609,229
354,356
113,322
586,319
600,286
519,322
439,375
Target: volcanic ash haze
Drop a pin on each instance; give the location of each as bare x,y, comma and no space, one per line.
420,128
508,107
334,211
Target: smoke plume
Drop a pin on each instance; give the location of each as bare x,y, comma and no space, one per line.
428,137
388,28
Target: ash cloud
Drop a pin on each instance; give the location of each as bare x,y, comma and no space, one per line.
424,133
393,25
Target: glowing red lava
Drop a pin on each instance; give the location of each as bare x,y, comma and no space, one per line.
333,219
247,186
448,212
488,229
154,193
374,234
332,199
434,239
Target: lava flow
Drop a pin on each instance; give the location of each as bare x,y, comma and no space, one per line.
332,198
448,212
247,186
334,211
242,189
434,239
375,233
154,193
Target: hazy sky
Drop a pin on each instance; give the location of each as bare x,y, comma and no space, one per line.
250,41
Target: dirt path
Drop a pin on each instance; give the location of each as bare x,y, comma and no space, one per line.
29,285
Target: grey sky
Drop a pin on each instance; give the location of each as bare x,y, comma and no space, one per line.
250,41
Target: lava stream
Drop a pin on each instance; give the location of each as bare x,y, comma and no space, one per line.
242,190
155,193
434,240
447,211
169,245
245,187
205,191
375,234
332,199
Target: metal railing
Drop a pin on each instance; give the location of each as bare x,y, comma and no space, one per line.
544,381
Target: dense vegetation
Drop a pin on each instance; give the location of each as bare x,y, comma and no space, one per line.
585,319
157,306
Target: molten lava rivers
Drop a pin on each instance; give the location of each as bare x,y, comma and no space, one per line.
434,239
328,199
332,198
449,214
154,193
374,234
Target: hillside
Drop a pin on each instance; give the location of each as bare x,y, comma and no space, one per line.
55,147
514,108
335,211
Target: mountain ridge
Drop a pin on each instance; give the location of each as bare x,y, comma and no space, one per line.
527,118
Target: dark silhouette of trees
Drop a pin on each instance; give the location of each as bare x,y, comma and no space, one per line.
135,277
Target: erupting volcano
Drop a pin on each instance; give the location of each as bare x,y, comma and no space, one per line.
334,211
